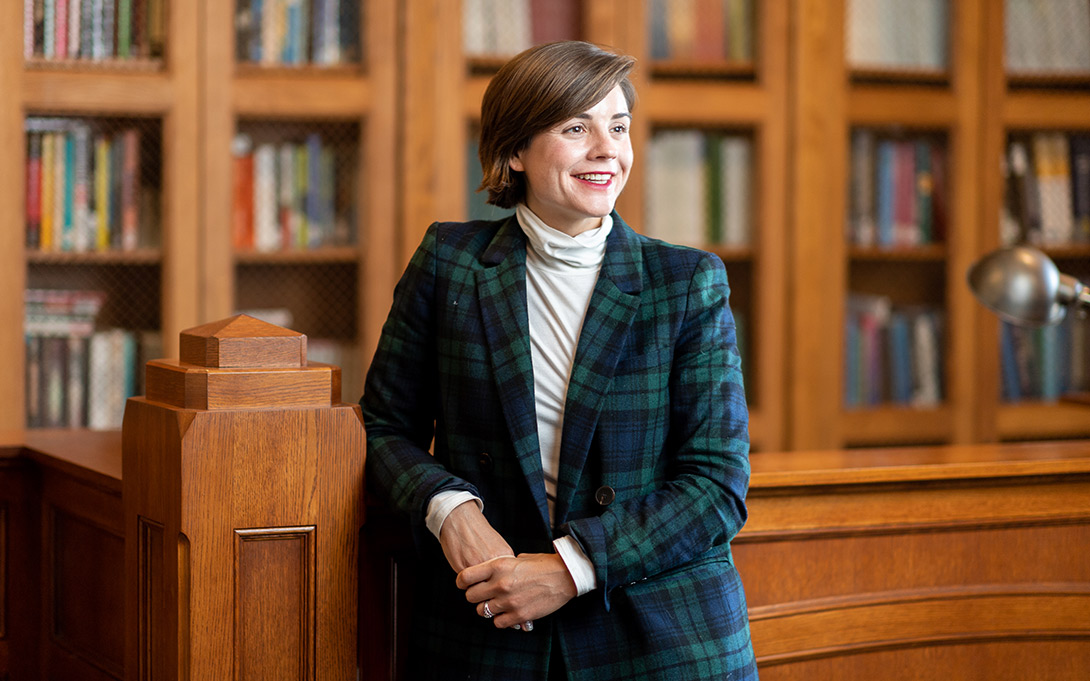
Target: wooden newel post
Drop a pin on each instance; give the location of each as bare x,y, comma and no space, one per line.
243,495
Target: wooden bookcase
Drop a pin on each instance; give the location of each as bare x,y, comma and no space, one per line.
195,98
164,90
973,107
358,97
750,97
830,101
412,102
1012,104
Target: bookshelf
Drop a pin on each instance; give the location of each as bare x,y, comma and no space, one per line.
1028,94
151,90
183,90
398,108
839,92
335,286
719,95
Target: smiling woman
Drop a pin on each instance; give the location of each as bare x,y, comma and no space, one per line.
582,387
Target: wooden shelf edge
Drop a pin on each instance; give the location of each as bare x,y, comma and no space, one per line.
897,425
89,92
1043,420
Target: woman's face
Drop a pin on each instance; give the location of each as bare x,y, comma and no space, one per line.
576,170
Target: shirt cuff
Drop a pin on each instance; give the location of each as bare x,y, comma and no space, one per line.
440,506
579,566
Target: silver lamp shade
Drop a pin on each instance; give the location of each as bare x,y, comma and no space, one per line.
1023,286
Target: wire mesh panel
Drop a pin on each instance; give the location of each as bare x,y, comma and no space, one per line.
295,236
894,35
1047,38
93,208
292,33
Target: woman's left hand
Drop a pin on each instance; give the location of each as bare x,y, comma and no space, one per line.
518,590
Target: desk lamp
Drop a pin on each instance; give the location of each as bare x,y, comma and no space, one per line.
1023,286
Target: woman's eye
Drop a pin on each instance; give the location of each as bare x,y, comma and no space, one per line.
576,128
621,129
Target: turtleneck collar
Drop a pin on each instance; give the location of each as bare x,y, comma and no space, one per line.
553,249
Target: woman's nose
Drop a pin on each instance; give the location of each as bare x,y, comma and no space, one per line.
604,146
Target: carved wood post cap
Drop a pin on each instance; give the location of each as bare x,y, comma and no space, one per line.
242,363
243,341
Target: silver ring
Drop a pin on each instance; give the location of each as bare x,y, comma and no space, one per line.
528,625
487,613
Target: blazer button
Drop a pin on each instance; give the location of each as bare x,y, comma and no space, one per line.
605,495
484,459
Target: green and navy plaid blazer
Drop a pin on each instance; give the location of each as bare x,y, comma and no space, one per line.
654,456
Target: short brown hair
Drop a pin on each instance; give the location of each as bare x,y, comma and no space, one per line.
534,91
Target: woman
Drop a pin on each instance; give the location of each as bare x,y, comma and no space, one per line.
582,388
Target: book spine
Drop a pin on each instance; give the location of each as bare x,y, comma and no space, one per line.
81,228
102,193
130,212
124,28
69,174
1080,187
87,32
924,187
319,233
75,35
49,29
45,235
28,29
242,214
886,192
108,26
60,25
266,234
288,221
34,190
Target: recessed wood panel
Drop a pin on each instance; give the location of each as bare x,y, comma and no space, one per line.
274,604
150,551
85,603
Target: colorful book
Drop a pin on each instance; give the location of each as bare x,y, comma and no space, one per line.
242,202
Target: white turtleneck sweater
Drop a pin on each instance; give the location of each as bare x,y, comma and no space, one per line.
561,271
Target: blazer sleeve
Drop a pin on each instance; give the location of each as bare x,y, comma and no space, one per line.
399,400
701,503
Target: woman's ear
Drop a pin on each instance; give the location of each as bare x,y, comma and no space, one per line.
515,163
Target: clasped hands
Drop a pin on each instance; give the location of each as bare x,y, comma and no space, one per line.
516,589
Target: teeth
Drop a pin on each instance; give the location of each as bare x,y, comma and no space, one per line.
595,177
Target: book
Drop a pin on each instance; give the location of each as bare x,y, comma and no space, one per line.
924,188
266,227
34,190
905,225
1024,184
242,201
737,210
1053,187
885,192
130,207
1080,186
553,20
862,224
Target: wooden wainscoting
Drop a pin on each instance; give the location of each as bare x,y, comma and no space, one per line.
944,563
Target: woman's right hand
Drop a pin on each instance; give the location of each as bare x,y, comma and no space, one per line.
469,539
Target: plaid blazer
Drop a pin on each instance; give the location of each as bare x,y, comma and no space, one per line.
654,456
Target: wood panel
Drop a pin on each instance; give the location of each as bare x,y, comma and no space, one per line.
81,579
274,601
852,556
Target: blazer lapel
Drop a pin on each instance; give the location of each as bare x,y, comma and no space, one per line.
612,308
501,291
